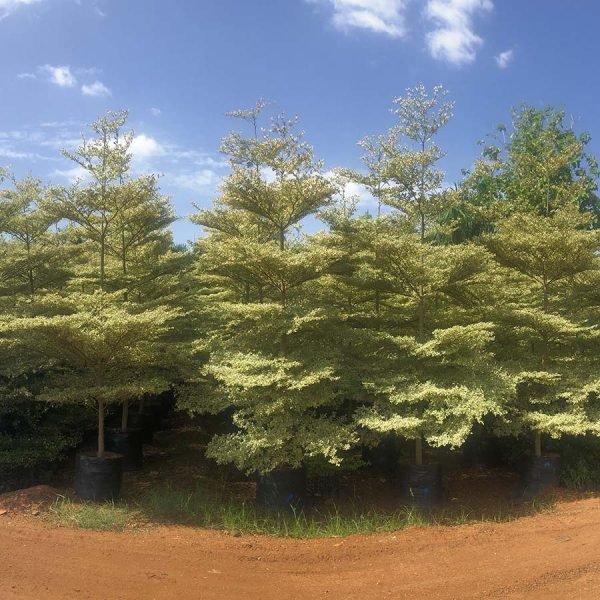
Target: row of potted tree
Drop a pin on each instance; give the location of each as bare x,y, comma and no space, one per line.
435,310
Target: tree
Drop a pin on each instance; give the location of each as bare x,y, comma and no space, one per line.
539,166
33,257
92,348
429,294
543,339
139,233
275,357
124,220
96,207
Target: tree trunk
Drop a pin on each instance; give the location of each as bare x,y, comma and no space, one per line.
100,452
124,416
102,253
538,444
419,451
545,344
421,316
30,272
282,240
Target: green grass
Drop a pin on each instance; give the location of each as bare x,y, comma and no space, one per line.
167,505
108,516
246,518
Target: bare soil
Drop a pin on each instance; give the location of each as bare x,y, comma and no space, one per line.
31,499
552,555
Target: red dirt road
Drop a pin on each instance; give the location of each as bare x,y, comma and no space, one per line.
551,556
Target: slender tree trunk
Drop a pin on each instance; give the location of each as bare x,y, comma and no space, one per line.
31,283
282,239
419,451
538,444
421,315
102,252
421,308
100,452
30,272
125,416
544,336
124,263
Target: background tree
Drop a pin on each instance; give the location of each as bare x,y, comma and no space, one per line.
34,256
539,166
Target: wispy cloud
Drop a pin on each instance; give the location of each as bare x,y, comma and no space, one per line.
195,180
67,77
95,4
8,6
155,111
378,16
95,89
453,39
72,175
451,36
504,59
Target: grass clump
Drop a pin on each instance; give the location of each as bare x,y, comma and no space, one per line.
107,516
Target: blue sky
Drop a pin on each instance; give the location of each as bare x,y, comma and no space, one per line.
177,66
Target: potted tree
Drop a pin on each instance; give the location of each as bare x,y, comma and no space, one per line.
121,222
429,295
542,330
273,360
94,349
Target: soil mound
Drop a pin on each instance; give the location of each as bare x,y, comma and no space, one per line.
28,499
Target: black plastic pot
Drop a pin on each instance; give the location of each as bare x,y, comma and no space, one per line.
542,474
98,479
129,444
282,489
146,423
421,485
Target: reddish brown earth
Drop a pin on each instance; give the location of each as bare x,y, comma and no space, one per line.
551,556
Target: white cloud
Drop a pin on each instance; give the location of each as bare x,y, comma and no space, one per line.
72,175
9,153
195,180
95,89
378,16
26,76
205,160
365,201
453,39
144,147
504,59
8,6
60,76
155,111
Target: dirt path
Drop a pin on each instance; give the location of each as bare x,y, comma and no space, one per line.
552,556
